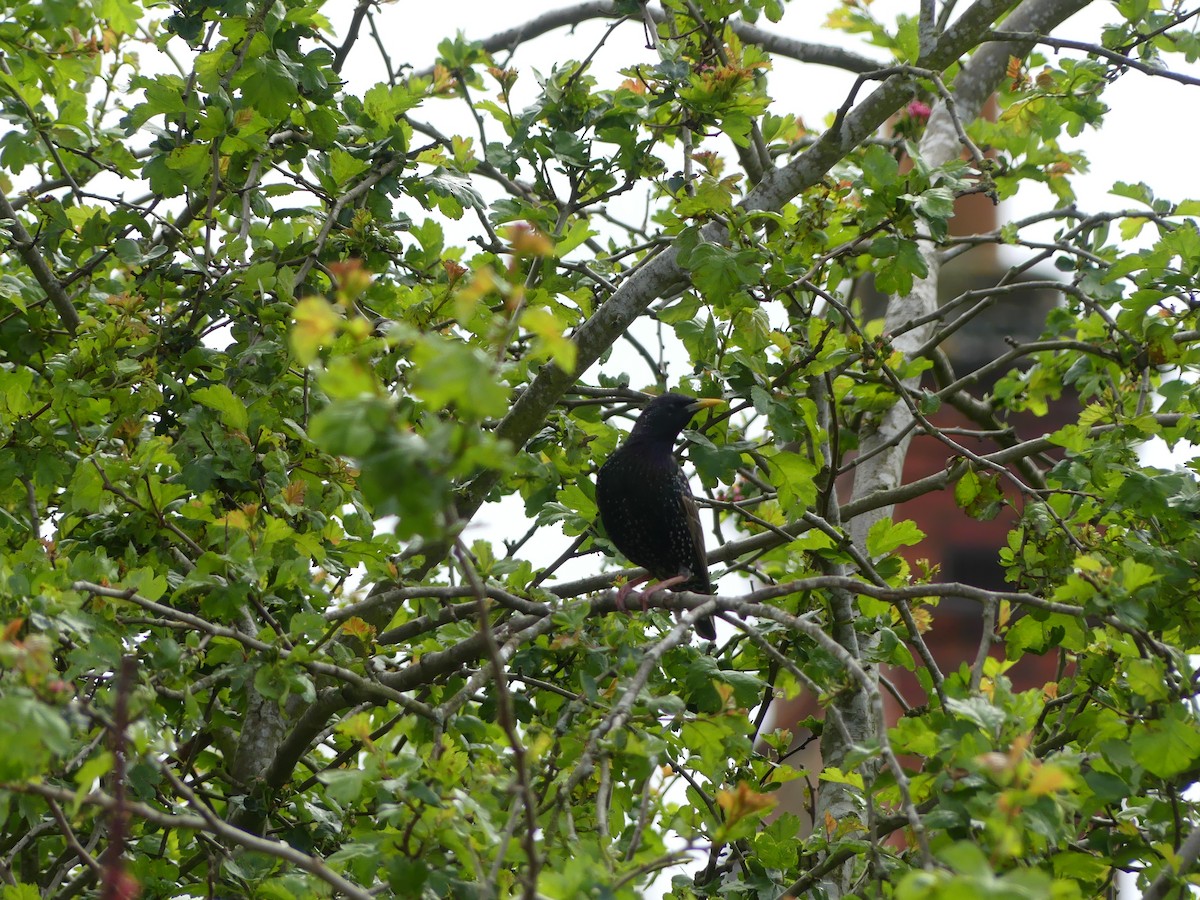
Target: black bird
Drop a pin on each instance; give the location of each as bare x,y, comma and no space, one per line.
647,507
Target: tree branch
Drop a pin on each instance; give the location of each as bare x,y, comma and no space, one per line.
204,822
27,249
568,16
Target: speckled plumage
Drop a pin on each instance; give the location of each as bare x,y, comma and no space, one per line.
646,504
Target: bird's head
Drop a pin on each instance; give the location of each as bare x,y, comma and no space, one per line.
667,415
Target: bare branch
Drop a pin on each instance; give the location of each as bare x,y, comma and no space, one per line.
802,51
206,822
26,247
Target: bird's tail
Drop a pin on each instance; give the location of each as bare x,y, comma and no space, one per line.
705,627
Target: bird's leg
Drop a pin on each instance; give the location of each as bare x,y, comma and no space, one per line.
662,586
626,588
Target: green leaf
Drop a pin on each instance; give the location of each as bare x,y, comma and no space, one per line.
775,844
979,711
885,536
92,771
879,167
345,785
450,374
966,858
980,495
222,399
895,274
385,103
718,271
267,85
574,237
345,167
122,15
1140,192
551,342
351,428
316,325
795,476
1135,575
1167,747
36,732
1145,678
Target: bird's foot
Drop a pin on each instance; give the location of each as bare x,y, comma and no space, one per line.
664,585
626,589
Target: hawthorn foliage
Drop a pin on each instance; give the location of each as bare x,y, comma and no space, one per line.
274,339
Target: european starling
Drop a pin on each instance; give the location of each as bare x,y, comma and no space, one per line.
647,507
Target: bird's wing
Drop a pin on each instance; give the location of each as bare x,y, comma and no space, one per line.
698,563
